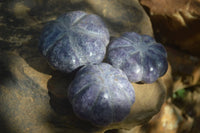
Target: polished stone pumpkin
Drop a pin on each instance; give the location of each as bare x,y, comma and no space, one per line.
139,56
73,40
101,94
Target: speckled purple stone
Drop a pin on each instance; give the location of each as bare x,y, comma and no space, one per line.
101,94
73,40
139,56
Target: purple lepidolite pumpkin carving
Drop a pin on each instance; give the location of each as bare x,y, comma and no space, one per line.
101,94
73,40
139,56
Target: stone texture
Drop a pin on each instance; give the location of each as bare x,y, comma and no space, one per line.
176,22
31,93
122,16
149,98
101,94
140,57
27,107
73,40
24,101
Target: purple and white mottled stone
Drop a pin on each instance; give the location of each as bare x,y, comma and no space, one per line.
101,94
73,40
139,56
